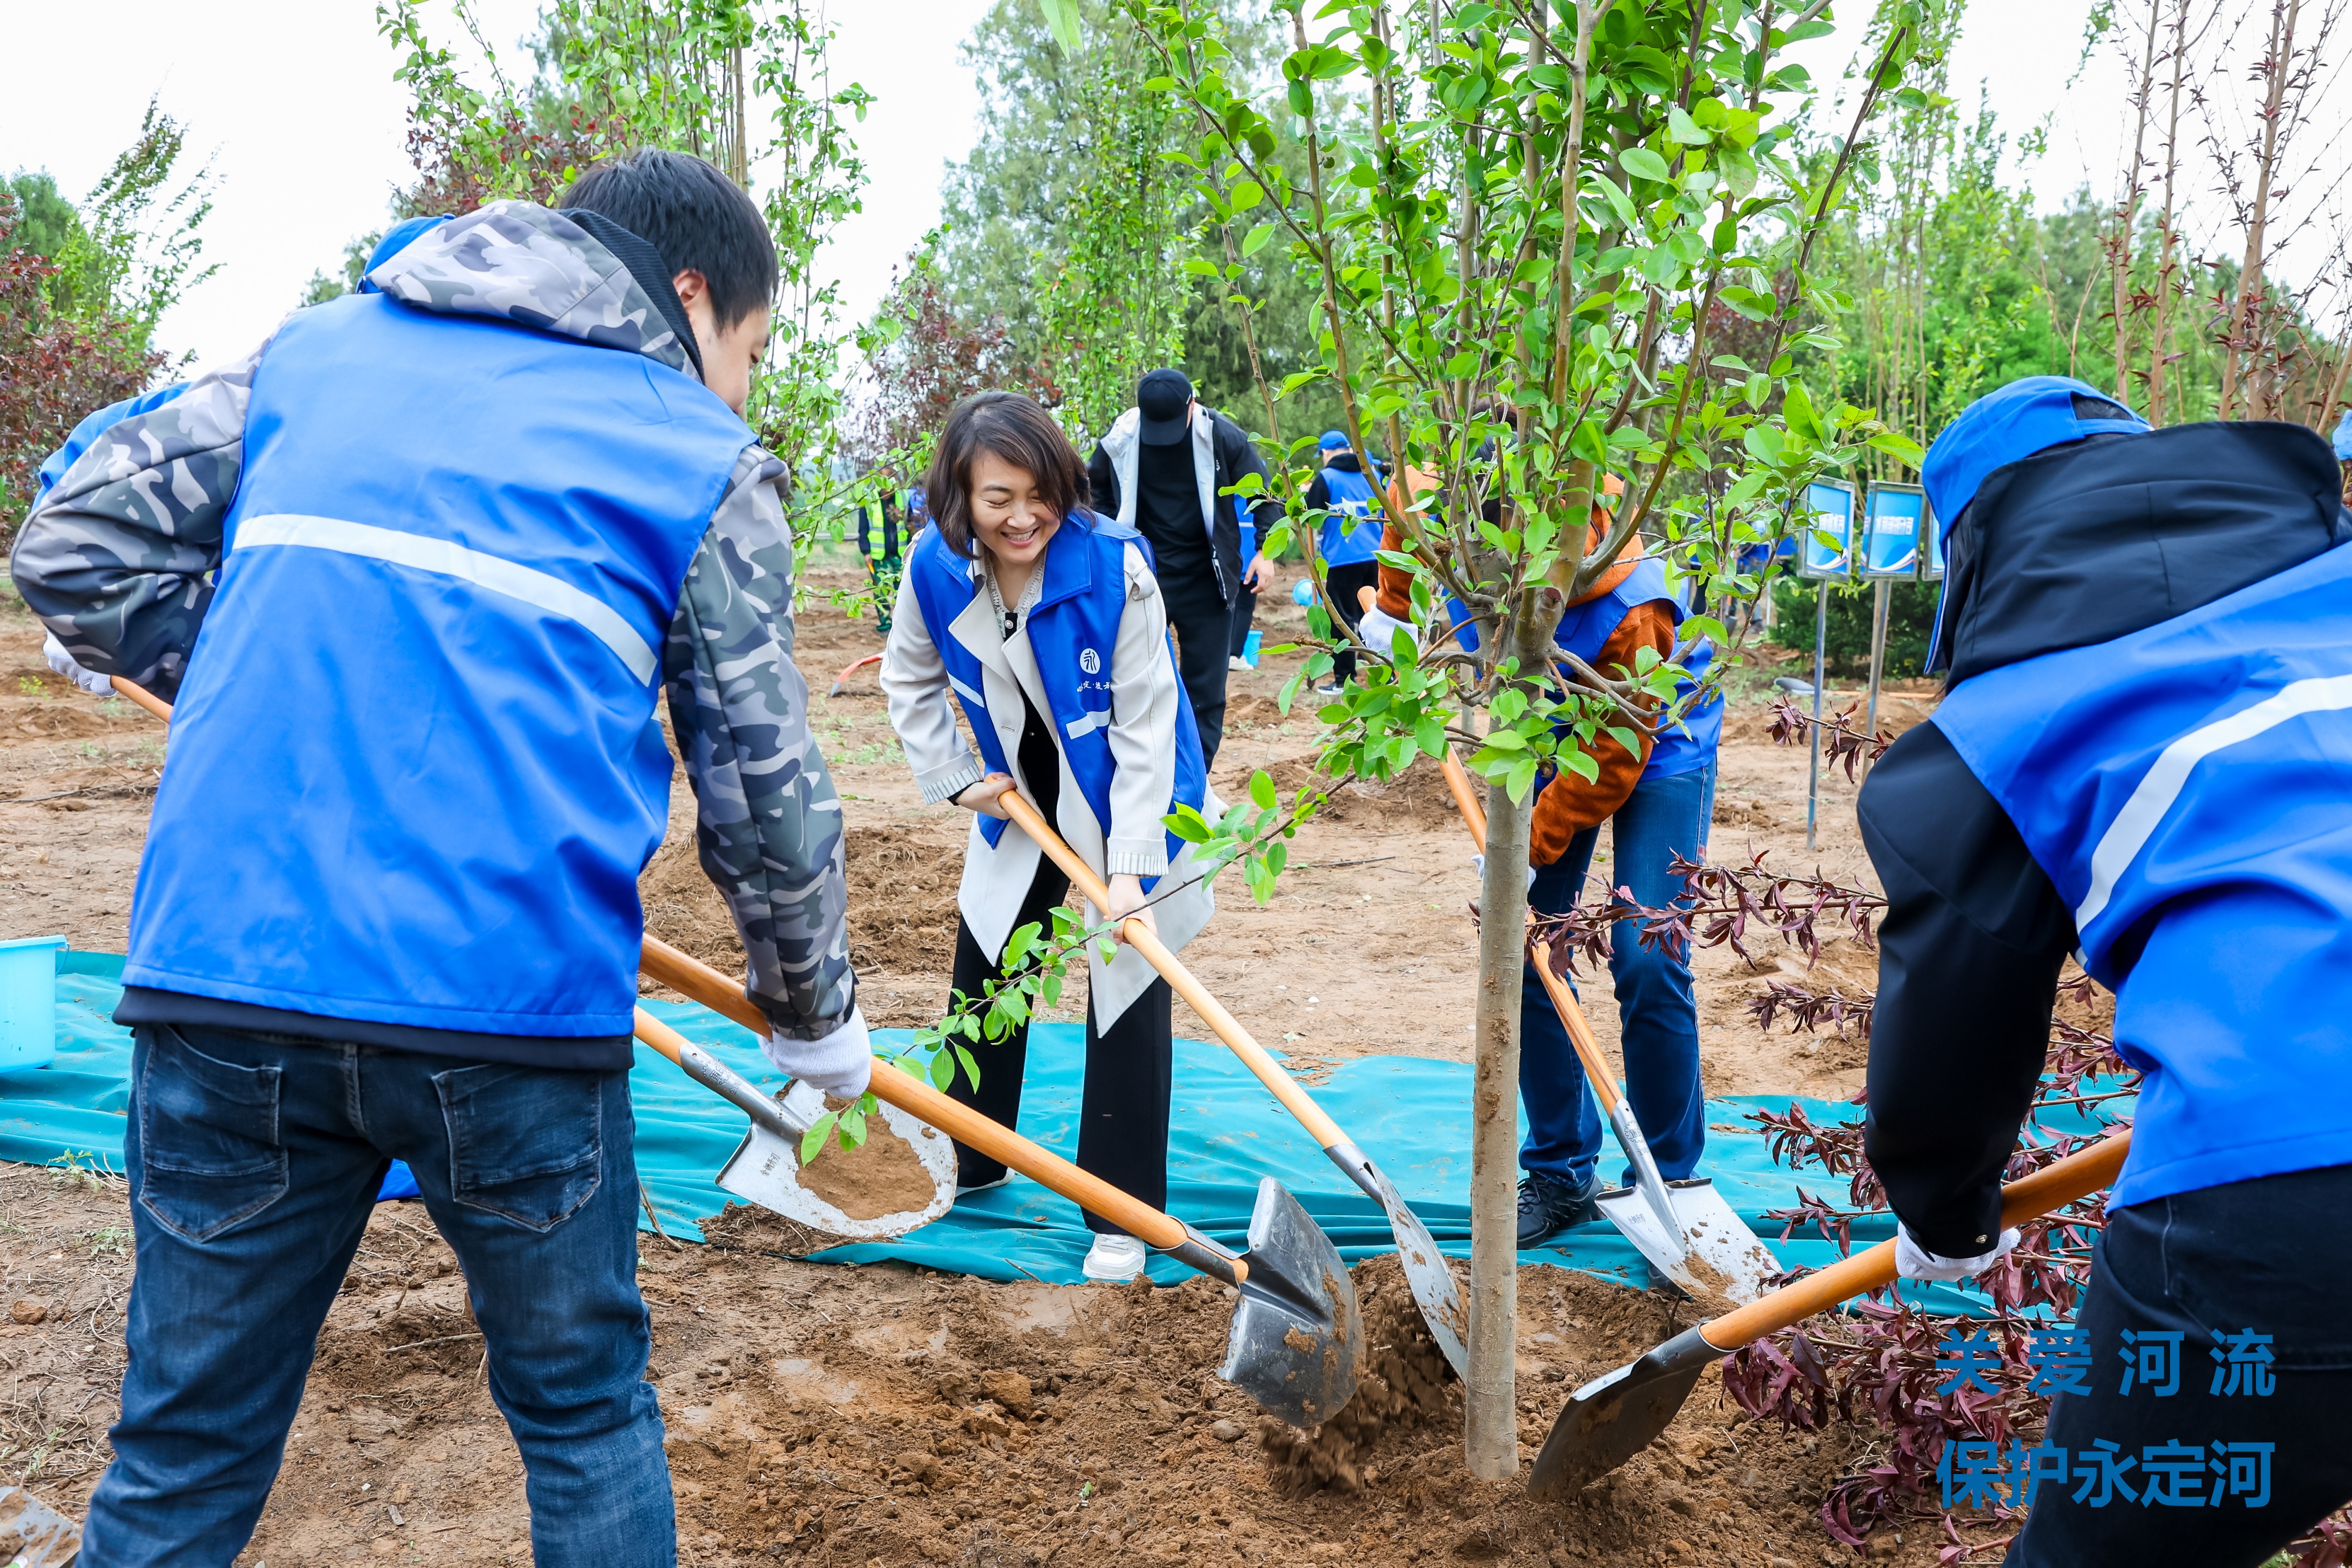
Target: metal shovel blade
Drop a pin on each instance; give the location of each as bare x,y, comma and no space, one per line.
765,1170
1615,1417
1716,1259
33,1534
1434,1288
1296,1334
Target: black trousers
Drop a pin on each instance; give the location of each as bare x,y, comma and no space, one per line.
2273,1256
1244,617
1203,623
1123,1111
1346,583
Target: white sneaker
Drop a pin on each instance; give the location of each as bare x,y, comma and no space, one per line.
964,1187
1235,661
1113,1259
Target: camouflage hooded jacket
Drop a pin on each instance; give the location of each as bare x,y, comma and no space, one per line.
116,560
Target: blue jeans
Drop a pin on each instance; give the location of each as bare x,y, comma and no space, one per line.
254,1161
1657,1015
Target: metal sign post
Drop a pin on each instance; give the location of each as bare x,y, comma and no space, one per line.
1825,553
1890,550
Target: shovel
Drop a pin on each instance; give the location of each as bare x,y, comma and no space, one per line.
841,682
1426,1270
1296,1334
765,1167
1684,1230
1612,1418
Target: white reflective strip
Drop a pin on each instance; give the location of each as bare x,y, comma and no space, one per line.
2128,834
1087,724
968,694
444,559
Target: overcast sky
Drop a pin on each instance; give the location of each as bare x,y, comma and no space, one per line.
295,106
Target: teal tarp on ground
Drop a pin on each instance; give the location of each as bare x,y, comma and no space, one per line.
1410,1113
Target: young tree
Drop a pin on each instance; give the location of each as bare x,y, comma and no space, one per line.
1522,221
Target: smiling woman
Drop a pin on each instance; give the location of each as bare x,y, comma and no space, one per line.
1043,620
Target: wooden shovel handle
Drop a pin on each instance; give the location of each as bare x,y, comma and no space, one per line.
1580,1031
144,698
2078,1176
1563,1000
1228,1028
1458,779
705,984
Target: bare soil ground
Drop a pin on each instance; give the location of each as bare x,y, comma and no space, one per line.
882,1416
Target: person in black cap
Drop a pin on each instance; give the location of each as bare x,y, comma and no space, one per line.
1162,468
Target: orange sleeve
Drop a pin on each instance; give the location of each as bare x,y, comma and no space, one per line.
1569,804
1395,598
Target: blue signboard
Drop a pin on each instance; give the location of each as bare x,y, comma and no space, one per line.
1931,546
1826,537
1891,536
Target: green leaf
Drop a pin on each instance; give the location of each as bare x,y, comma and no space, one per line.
1682,129
1644,164
1255,240
819,1130
1062,16
1900,447
1246,194
1797,407
1261,790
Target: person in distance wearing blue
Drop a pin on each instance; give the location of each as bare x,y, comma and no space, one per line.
2143,757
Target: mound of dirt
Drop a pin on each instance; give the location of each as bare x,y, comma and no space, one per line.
1419,794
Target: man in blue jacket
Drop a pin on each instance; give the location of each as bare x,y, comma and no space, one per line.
464,529
2145,760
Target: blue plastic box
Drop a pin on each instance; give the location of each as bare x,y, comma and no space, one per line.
28,1002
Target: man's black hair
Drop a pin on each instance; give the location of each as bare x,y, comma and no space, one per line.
696,218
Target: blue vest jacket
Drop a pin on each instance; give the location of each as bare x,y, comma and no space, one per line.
1585,629
1073,631
2184,787
1351,533
414,766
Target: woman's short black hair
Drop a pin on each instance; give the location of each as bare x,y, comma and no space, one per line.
694,217
1019,432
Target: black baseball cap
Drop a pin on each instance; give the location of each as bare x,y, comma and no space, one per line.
1164,399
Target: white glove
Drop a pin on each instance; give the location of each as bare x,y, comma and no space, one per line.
1478,864
1378,629
840,1064
1913,1261
63,663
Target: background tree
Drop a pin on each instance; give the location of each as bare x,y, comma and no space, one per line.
82,287
693,76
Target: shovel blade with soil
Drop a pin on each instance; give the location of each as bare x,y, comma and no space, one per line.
902,1176
1297,1334
1615,1417
33,1534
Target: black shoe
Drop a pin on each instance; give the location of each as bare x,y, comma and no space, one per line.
1549,1205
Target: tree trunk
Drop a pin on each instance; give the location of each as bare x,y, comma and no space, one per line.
1492,1405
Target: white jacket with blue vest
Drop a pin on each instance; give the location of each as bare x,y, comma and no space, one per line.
1093,656
416,574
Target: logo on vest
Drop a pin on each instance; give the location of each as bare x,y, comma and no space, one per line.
1090,661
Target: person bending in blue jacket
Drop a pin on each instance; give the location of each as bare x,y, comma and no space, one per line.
2144,758
466,529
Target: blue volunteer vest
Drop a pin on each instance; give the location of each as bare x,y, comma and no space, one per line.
414,766
2188,787
1073,631
1351,533
1585,629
